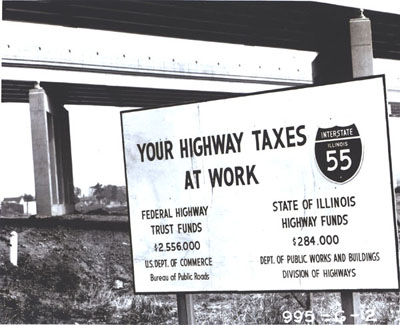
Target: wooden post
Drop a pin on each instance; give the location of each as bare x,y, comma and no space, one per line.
351,307
185,309
14,248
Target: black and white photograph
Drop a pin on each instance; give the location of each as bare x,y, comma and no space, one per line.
199,162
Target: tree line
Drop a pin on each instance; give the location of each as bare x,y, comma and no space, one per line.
100,192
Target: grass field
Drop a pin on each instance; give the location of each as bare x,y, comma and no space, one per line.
78,270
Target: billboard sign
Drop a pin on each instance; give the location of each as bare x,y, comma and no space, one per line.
276,191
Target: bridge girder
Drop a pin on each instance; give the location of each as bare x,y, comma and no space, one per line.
104,59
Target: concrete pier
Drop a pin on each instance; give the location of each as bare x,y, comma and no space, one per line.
361,46
51,148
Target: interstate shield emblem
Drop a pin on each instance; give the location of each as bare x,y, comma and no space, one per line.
338,152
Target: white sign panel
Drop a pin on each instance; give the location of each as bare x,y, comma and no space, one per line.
289,190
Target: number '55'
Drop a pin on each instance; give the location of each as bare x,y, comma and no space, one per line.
331,155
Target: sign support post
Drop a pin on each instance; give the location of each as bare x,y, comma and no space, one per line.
351,307
185,309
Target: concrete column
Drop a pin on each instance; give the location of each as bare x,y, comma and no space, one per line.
345,50
65,161
51,154
39,111
361,46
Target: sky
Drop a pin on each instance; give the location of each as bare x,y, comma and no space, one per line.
16,162
96,146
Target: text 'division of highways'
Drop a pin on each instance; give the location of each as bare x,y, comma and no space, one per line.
276,191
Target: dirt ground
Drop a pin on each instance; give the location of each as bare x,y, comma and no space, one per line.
66,273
